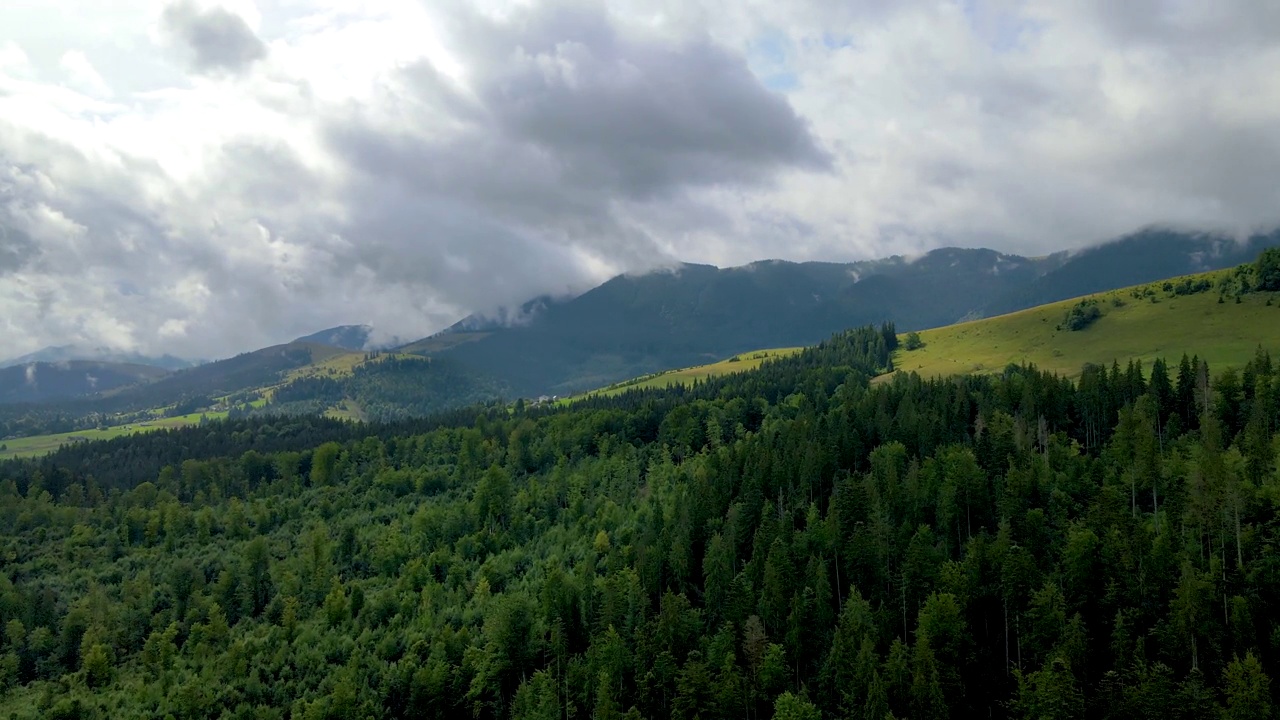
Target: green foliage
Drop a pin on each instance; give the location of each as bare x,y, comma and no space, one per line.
1082,315
1049,694
913,341
1267,270
1248,690
791,707
795,542
97,665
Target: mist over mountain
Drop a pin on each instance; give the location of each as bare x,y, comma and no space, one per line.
637,324
64,353
37,382
1149,254
352,337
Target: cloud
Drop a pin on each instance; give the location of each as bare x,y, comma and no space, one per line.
568,137
215,39
12,57
83,75
402,164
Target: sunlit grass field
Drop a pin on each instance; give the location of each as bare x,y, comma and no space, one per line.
1224,334
685,376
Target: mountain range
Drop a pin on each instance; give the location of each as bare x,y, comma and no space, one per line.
686,315
634,325
65,353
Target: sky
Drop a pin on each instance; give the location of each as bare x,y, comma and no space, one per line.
205,177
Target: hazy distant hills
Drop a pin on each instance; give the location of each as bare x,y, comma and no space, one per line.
64,353
36,382
633,325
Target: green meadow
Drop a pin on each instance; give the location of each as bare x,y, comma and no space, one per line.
1143,323
685,376
41,444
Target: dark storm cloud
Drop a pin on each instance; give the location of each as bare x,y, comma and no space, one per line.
572,134
216,40
639,117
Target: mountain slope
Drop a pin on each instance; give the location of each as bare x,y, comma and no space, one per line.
694,314
352,337
43,381
1145,256
1141,323
247,371
634,325
65,353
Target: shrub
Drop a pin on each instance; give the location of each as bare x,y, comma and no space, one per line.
1082,315
1267,270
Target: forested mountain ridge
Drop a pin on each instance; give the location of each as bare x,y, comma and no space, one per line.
35,382
694,314
68,353
628,327
792,542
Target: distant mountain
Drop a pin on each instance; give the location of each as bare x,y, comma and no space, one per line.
634,325
43,382
247,371
631,325
688,315
64,353
350,337
1147,255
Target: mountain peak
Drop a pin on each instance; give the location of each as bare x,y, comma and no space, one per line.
351,337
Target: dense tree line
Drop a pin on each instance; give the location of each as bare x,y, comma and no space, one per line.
795,542
390,389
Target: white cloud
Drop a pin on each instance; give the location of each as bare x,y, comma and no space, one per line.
12,57
82,74
253,172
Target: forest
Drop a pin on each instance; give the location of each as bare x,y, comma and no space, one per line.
807,540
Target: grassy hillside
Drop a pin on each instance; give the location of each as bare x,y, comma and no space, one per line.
686,376
1149,255
1143,322
336,383
41,444
634,325
247,379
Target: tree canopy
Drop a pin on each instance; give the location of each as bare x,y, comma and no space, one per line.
793,542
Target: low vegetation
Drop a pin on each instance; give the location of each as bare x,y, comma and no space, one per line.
687,376
1223,317
41,444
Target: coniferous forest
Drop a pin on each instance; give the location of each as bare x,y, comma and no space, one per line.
802,541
